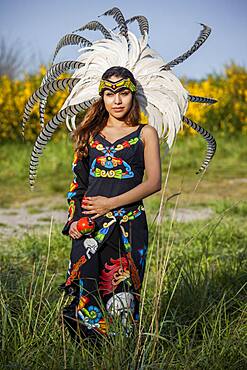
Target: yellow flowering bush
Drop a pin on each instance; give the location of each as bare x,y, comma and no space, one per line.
228,115
14,95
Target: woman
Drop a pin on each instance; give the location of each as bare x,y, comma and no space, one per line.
112,150
111,177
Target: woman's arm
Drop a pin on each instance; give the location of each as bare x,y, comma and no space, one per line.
152,168
98,205
78,187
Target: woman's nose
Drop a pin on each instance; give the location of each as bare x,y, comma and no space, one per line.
117,99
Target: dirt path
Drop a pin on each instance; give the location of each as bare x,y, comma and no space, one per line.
35,216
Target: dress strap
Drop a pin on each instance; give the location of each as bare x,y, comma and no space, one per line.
139,130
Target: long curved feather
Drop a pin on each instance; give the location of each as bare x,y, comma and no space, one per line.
201,99
46,135
70,39
94,26
43,92
55,71
119,18
142,23
211,143
204,34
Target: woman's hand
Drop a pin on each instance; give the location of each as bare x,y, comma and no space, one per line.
98,204
73,232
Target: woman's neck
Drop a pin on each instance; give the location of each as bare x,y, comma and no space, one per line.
114,122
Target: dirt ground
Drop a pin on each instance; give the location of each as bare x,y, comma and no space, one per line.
35,216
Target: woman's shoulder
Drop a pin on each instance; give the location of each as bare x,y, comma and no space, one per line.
148,132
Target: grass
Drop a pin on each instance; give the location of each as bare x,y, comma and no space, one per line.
193,313
223,180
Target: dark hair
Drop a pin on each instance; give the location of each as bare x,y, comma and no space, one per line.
118,72
96,116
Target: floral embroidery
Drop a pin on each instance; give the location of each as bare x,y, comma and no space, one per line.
117,272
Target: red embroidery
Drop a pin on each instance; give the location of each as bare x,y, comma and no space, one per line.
75,270
117,272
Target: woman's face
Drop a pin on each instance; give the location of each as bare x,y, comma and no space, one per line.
117,104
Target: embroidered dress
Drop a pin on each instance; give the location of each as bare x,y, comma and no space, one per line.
106,267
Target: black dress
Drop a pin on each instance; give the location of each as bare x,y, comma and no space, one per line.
106,267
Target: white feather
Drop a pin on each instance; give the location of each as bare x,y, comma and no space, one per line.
161,95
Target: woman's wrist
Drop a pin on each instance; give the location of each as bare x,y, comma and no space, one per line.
113,202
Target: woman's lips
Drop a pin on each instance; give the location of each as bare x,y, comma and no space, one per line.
117,109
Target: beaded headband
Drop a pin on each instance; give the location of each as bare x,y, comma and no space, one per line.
116,86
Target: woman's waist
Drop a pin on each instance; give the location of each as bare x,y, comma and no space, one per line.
123,214
111,188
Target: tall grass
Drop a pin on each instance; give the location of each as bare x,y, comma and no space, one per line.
193,311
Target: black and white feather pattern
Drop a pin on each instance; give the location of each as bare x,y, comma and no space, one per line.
201,99
94,26
142,23
211,143
119,18
70,39
46,135
54,72
204,34
161,96
43,92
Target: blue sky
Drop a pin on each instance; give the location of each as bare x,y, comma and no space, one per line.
36,27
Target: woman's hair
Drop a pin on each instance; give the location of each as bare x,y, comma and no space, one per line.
96,116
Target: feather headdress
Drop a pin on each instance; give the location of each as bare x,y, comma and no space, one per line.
161,96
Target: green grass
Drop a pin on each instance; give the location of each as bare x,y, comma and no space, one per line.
222,181
193,313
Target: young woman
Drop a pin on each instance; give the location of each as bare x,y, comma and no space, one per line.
112,149
111,152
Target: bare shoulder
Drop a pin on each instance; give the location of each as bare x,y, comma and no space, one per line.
148,133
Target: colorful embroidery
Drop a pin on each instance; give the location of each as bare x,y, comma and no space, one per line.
91,316
74,184
100,236
109,161
71,210
75,270
143,253
117,272
134,272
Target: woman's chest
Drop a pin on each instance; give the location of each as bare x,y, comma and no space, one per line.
121,160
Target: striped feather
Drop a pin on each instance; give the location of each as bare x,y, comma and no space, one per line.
70,39
43,92
200,99
119,18
46,135
211,143
55,71
142,23
94,26
204,34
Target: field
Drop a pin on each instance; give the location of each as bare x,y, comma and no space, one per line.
193,313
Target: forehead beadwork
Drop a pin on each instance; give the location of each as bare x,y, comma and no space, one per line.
116,86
